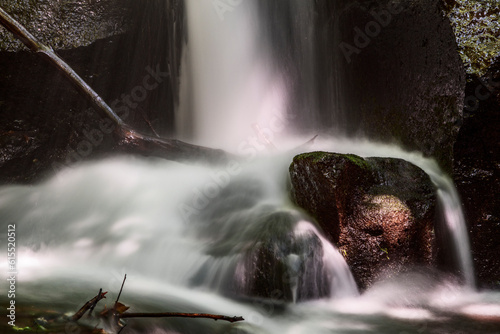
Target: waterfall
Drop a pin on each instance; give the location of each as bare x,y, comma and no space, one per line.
230,93
236,99
226,239
158,219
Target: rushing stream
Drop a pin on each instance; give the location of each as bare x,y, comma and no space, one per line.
179,233
189,237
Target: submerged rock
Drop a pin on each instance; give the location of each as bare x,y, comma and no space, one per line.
257,250
379,211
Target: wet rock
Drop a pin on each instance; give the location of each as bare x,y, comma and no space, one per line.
379,211
477,172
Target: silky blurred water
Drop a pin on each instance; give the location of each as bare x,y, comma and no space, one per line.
87,226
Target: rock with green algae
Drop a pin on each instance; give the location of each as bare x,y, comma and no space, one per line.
477,32
379,211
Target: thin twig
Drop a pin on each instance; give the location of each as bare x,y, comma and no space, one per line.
151,127
307,143
121,289
125,325
180,315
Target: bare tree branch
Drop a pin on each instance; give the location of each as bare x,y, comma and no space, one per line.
180,315
127,139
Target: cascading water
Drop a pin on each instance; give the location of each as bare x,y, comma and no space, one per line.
224,239
193,238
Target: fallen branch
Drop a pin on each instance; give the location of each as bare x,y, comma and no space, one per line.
119,311
89,305
127,139
180,315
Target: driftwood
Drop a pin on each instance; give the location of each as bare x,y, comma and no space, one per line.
127,139
180,315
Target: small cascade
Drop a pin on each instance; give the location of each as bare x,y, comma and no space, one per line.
342,281
455,226
160,220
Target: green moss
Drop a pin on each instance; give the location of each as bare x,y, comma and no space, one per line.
65,25
319,156
357,160
315,156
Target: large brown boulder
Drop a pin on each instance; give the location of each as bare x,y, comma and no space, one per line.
379,211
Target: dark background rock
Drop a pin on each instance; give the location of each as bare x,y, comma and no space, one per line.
404,83
477,172
45,124
477,30
379,211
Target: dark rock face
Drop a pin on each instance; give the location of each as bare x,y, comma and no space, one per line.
407,77
45,124
477,173
388,70
379,211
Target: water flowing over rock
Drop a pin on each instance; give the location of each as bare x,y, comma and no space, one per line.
259,250
388,70
380,212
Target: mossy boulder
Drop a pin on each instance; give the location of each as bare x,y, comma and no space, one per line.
379,211
477,32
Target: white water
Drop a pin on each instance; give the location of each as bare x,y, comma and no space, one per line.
228,86
87,226
237,102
